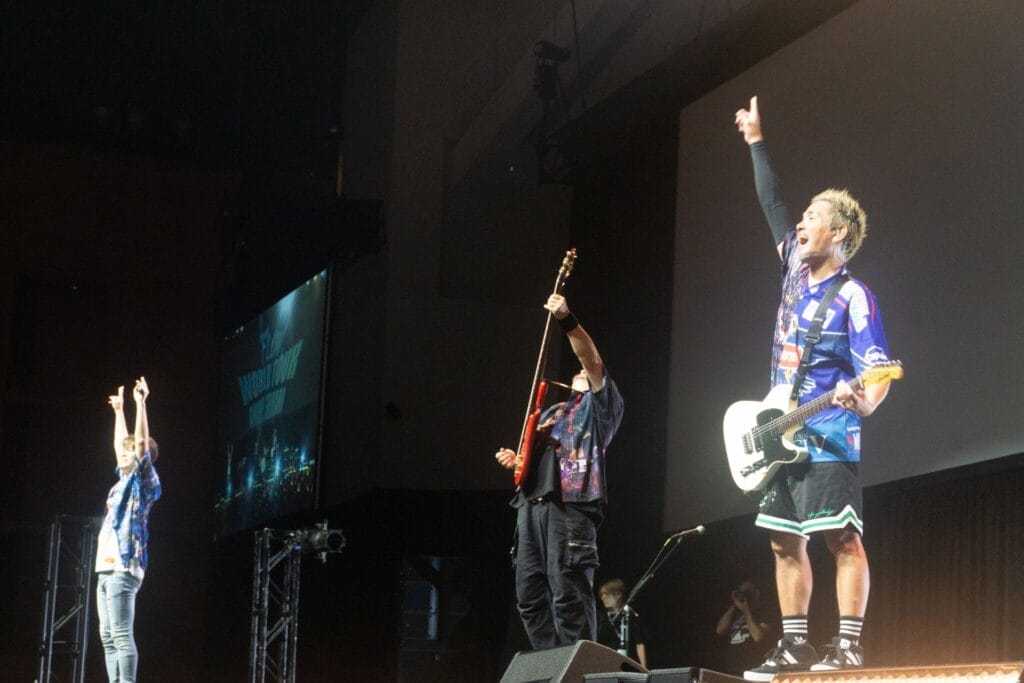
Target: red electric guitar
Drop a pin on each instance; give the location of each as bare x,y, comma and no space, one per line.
539,387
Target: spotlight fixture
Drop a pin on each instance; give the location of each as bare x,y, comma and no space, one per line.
319,540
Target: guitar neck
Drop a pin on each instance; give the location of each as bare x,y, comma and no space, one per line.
542,355
801,414
538,372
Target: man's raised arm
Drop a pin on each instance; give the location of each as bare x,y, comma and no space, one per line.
140,392
582,345
120,427
766,182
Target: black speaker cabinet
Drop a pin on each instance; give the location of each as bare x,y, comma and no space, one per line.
691,674
567,664
615,677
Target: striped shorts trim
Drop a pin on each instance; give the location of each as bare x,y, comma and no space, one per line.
847,517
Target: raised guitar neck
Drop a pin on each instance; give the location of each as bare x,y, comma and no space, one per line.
538,373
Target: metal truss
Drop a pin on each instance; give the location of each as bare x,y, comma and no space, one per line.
275,607
67,599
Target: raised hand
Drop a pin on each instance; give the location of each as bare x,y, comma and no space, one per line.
748,123
557,305
141,390
117,400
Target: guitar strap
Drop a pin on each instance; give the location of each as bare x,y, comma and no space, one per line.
813,334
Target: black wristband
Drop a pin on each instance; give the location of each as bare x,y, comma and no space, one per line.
568,323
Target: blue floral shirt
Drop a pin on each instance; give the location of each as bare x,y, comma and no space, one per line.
128,506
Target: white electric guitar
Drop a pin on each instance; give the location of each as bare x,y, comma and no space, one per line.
759,434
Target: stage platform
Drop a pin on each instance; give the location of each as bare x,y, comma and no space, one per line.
1003,672
589,662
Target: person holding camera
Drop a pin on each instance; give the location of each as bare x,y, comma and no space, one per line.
745,630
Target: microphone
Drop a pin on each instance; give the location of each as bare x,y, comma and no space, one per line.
695,531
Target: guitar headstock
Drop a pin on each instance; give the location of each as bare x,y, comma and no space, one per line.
567,263
889,370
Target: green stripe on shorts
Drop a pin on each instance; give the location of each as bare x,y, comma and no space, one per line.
847,517
779,524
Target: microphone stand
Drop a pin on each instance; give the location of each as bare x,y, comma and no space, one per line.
667,548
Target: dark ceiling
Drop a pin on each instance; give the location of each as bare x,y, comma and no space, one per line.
228,83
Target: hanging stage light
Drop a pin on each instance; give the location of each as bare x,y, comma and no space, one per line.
320,540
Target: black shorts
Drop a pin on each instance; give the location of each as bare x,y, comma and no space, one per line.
809,497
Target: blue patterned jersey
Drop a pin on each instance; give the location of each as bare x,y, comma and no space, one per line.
852,340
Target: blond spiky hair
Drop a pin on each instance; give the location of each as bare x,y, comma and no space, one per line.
846,211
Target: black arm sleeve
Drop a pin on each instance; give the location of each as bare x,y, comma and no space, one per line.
769,193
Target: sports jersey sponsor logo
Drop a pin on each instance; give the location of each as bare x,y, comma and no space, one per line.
875,355
789,358
859,310
853,438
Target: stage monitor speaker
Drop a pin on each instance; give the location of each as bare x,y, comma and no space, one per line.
690,674
567,664
615,677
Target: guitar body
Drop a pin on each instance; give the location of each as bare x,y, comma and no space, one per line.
526,447
753,462
759,434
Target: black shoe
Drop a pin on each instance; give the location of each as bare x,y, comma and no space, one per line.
841,654
789,655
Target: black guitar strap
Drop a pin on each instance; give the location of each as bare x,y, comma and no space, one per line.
813,334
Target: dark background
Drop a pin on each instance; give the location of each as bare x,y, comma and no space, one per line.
171,168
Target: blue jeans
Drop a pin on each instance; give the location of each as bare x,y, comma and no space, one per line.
115,605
